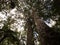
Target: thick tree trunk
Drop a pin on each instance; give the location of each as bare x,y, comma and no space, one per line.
40,26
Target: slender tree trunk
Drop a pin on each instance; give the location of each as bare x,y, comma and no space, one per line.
30,40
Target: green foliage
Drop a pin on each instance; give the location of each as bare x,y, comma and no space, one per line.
8,4
56,6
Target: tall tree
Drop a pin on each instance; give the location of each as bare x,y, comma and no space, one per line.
39,9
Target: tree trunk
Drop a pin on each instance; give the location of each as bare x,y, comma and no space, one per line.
30,40
40,28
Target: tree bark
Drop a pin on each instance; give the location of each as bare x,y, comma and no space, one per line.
30,40
41,28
